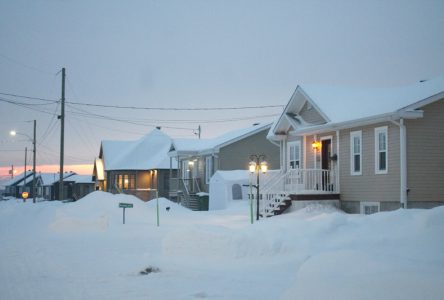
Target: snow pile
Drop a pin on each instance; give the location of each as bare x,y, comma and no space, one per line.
52,250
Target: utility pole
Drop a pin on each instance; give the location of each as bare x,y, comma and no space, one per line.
62,135
12,171
199,130
33,164
24,175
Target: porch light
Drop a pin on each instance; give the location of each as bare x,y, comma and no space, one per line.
191,163
264,167
316,145
252,167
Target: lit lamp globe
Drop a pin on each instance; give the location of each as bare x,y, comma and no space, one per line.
252,167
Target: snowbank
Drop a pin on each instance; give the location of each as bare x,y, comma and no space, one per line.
52,250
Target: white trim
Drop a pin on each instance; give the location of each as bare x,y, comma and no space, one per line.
289,145
354,134
368,203
208,168
338,162
378,130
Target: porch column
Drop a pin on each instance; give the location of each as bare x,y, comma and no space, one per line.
338,170
403,163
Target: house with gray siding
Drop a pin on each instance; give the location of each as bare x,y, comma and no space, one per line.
141,168
368,149
199,159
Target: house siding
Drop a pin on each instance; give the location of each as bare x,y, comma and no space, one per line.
236,156
384,188
425,157
311,115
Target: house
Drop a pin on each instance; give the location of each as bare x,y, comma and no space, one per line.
14,186
48,185
199,159
82,185
139,167
371,149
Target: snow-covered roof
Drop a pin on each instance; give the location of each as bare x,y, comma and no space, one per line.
51,178
148,153
339,104
81,179
16,179
342,104
196,146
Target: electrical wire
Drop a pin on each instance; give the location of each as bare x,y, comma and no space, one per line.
149,108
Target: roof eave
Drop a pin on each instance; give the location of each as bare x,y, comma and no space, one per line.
359,122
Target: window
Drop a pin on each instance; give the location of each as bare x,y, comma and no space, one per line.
356,153
381,166
125,181
368,208
294,150
208,168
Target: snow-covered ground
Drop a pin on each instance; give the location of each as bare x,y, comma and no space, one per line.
81,250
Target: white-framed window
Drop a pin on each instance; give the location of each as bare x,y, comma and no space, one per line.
294,155
368,208
356,152
381,152
185,169
208,168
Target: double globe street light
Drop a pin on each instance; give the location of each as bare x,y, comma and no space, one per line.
257,165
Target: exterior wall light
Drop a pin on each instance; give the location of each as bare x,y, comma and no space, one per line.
316,145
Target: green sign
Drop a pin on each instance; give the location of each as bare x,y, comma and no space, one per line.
125,205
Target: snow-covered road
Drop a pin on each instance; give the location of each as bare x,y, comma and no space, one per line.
81,250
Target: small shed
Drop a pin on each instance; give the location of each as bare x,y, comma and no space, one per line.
228,186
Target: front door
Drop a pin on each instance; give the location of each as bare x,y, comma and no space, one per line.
326,154
326,164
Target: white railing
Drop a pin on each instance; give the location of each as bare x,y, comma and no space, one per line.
295,181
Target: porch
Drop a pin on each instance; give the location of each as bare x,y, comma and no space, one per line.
280,189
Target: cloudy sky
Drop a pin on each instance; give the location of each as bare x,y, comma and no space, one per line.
191,54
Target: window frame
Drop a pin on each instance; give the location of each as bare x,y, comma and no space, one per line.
369,203
378,130
299,159
353,134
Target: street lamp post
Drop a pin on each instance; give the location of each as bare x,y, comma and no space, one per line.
257,165
33,140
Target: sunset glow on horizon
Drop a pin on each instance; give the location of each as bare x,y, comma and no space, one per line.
81,169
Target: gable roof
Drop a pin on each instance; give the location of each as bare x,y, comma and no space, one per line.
51,178
341,105
148,153
17,179
80,178
196,147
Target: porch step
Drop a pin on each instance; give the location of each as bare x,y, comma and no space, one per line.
192,202
278,207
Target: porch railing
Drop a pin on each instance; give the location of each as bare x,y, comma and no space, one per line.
295,181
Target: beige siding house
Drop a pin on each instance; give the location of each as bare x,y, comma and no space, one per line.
370,149
200,159
140,167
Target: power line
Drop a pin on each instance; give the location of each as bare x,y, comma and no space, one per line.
25,65
149,108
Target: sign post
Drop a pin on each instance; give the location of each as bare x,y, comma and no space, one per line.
125,205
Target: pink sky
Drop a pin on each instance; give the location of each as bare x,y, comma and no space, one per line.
79,169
